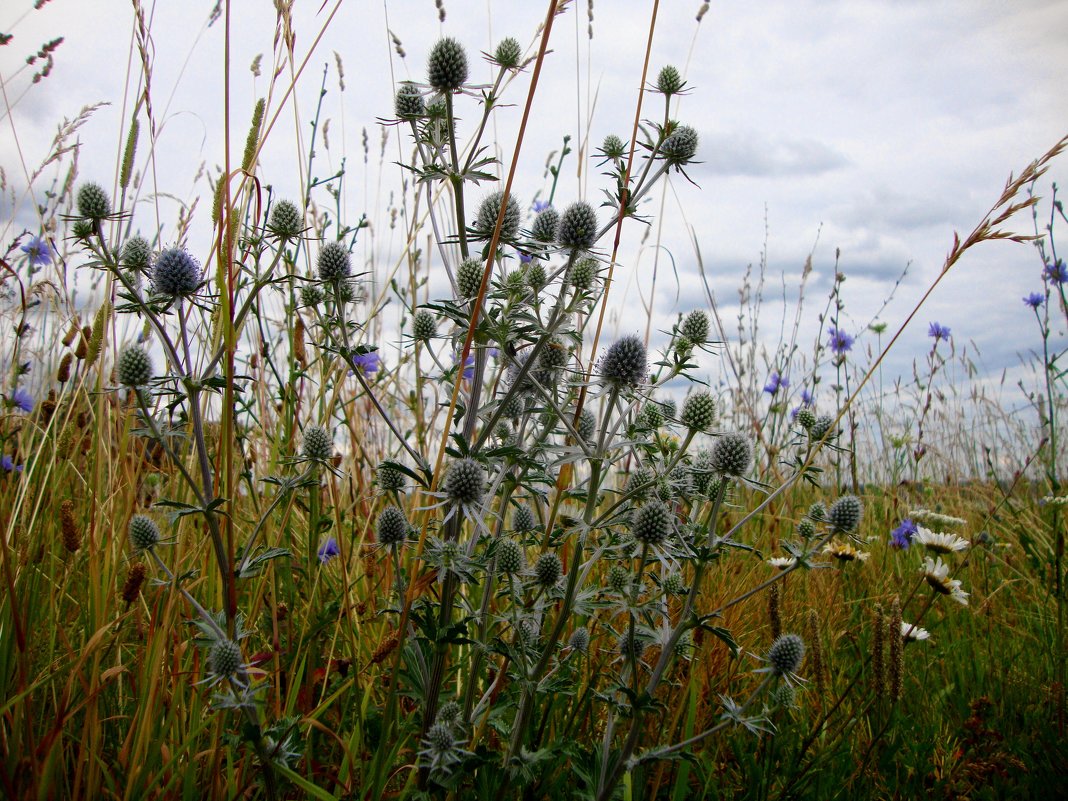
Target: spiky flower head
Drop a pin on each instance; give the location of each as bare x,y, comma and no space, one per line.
695,327
669,82
784,696
786,654
806,418
488,211
469,278
548,569
176,274
582,273
424,326
613,147
224,658
631,645
652,414
577,229
818,430
818,511
681,146
587,425
508,53
392,527
286,221
618,578
699,411
509,557
639,485
144,533
134,368
318,444
446,67
624,364
390,479
334,262
449,714
465,482
579,640
732,454
545,224
845,513
93,202
536,276
137,254
408,104
674,584
441,749
806,529
651,524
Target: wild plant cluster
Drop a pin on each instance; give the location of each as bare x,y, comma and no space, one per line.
530,558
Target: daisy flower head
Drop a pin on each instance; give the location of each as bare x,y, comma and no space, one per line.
910,632
845,552
783,562
936,574
940,543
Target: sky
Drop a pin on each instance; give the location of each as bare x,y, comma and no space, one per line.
870,128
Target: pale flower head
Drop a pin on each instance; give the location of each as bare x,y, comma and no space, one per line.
783,562
845,552
936,573
940,543
910,632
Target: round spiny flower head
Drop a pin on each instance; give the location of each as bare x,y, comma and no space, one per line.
819,429
536,277
446,68
408,103
624,364
224,658
83,229
669,82
544,227
555,355
582,273
508,53
806,418
93,202
176,274
577,228
651,524
515,281
286,221
618,579
580,640
671,410
439,739
639,485
449,714
548,569
134,367
318,444
523,519
674,584
652,414
785,654
699,411
818,511
144,533
613,147
587,425
392,526
490,208
334,262
806,528
137,254
845,513
469,278
390,479
424,326
695,327
466,482
784,696
509,557
732,454
631,646
703,471
681,146
512,406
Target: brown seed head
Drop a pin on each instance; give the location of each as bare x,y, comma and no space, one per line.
72,537
131,588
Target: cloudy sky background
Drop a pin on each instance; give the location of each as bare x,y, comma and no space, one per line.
876,127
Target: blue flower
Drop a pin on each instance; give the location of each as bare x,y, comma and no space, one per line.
39,251
1035,299
901,537
22,399
368,363
1056,272
938,331
540,206
839,341
806,398
8,464
525,258
328,550
775,383
469,367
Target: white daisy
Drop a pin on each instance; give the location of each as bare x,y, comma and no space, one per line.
939,542
936,572
845,552
910,632
783,562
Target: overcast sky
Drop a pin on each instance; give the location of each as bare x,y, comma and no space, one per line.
876,127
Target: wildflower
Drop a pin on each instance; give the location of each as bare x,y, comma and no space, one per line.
510,558
93,202
424,326
548,569
224,658
1035,299
680,147
785,656
699,411
806,398
695,327
328,550
936,573
447,65
465,482
783,562
367,363
144,533
652,523
844,552
408,103
901,537
612,147
441,750
939,543
579,640
392,525
134,367
523,519
775,383
21,399
938,331
318,444
839,341
577,228
545,224
732,454
1056,272
286,221
910,632
334,262
469,366
176,274
488,211
669,82
38,250
7,464
540,205
624,364
845,514
805,417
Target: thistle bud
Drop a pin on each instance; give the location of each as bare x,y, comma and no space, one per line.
447,65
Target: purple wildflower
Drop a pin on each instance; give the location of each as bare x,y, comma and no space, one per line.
469,367
839,341
901,537
525,258
368,363
541,205
938,331
775,383
1035,299
22,399
39,251
1056,272
8,464
806,398
328,550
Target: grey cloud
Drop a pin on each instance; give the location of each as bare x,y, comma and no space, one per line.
758,155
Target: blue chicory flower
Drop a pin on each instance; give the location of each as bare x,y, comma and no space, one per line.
938,331
775,383
7,464
39,251
1035,299
22,399
806,398
541,205
328,550
1056,272
839,341
901,537
368,363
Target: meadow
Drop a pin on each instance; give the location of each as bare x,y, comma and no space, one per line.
306,499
